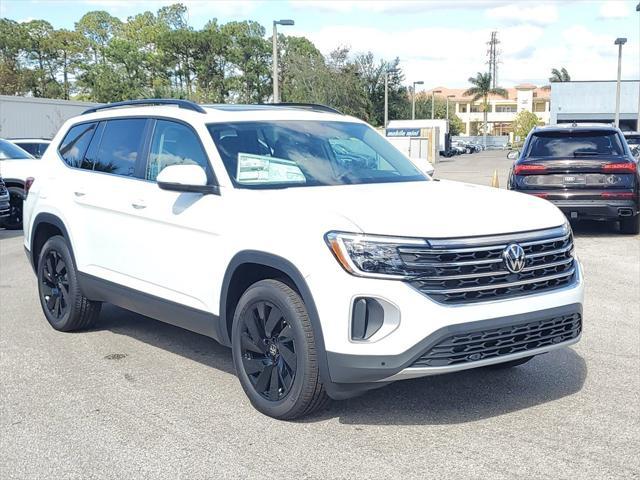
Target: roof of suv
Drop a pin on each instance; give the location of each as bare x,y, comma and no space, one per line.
563,127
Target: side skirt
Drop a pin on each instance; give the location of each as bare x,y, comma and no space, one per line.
192,319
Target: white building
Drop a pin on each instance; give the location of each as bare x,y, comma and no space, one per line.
28,117
502,111
595,101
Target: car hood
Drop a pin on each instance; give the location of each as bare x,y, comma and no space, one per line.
436,209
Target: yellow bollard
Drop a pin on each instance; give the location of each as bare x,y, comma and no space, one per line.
494,181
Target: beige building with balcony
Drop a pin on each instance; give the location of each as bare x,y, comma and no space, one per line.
502,111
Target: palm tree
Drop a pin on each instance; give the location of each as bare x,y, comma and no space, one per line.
559,75
481,90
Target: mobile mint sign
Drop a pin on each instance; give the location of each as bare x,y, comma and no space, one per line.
402,132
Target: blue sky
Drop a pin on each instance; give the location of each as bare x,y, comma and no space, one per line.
441,42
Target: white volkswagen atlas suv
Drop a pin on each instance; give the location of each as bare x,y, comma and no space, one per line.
300,238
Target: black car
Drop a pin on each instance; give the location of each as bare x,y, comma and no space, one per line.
589,172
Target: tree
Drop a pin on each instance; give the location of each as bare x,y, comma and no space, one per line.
523,123
12,42
481,90
68,46
559,75
98,27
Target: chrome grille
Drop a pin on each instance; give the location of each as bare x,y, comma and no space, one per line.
497,342
472,270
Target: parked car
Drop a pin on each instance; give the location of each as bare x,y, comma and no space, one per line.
458,148
16,166
5,206
35,146
245,224
633,140
587,171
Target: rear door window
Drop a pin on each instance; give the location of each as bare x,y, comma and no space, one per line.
120,146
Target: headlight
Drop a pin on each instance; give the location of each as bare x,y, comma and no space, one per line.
369,255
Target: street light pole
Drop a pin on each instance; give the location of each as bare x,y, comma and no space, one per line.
619,42
413,99
448,97
386,94
276,92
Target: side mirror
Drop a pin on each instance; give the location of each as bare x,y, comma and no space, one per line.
185,178
513,154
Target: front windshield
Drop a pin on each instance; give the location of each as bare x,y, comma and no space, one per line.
9,151
575,144
276,154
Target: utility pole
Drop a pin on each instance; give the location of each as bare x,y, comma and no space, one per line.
386,94
413,99
493,61
433,102
276,92
620,42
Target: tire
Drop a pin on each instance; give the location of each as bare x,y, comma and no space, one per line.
14,220
274,352
511,364
63,304
630,225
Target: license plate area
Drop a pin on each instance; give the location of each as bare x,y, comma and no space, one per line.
571,180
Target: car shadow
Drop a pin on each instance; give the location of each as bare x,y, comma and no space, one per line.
444,399
594,228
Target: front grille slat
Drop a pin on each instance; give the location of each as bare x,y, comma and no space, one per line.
454,271
496,342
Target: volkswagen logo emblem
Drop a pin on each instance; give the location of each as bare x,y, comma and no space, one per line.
514,258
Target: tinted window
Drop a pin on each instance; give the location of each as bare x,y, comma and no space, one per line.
307,153
10,151
75,144
120,146
32,148
575,144
173,144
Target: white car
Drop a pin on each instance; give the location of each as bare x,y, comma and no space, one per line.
327,270
16,167
35,146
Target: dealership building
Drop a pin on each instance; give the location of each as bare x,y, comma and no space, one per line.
595,101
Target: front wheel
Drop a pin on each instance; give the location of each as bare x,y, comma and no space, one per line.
630,225
63,304
274,351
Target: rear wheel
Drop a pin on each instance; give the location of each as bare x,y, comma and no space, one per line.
630,225
63,304
274,351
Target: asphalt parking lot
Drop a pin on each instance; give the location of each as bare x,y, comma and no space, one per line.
135,398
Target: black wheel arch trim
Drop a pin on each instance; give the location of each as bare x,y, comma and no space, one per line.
288,268
54,220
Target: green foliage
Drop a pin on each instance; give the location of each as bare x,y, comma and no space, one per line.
559,75
481,89
157,54
524,122
423,110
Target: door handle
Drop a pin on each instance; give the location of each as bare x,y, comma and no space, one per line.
79,194
138,205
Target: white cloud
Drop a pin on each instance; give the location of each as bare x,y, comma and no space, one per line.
614,9
391,6
448,56
517,14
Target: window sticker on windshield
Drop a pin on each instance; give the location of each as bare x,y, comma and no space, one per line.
263,169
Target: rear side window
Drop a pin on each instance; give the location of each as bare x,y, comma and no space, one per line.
173,144
575,144
120,147
75,143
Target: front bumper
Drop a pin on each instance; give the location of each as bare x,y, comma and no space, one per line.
387,368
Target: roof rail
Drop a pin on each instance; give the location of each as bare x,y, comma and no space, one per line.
310,106
186,104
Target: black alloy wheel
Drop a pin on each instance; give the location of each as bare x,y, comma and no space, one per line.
54,285
268,350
